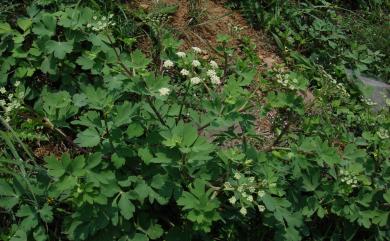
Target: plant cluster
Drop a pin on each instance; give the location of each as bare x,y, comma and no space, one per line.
328,32
150,142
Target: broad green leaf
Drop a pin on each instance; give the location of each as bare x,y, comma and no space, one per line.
8,197
59,49
24,23
138,60
126,207
155,231
19,235
46,26
46,213
5,28
117,160
124,113
139,237
134,130
85,61
88,138
40,234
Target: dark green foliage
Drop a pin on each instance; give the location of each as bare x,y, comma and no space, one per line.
150,150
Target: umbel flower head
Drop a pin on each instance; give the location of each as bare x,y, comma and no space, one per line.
184,72
232,200
197,50
213,64
164,91
168,64
215,80
99,25
195,63
181,54
243,211
195,80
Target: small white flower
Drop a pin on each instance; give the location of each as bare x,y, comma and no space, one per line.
94,17
17,83
237,176
243,211
168,64
215,80
195,80
211,73
232,200
197,50
251,179
261,208
250,198
89,25
240,188
2,102
184,72
111,16
228,186
252,189
3,90
104,18
213,64
195,63
181,54
164,91
261,193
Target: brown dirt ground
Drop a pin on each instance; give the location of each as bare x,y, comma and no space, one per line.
216,19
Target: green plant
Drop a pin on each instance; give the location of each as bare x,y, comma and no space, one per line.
147,141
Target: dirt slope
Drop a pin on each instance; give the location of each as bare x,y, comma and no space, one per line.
218,20
215,20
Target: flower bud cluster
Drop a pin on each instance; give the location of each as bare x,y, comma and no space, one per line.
348,178
100,24
246,191
286,81
367,101
9,102
383,133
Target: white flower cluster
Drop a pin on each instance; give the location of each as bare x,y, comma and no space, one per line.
195,63
213,77
164,91
367,101
197,50
213,64
343,90
184,72
10,103
181,54
284,79
195,80
102,23
168,64
383,133
245,189
348,178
